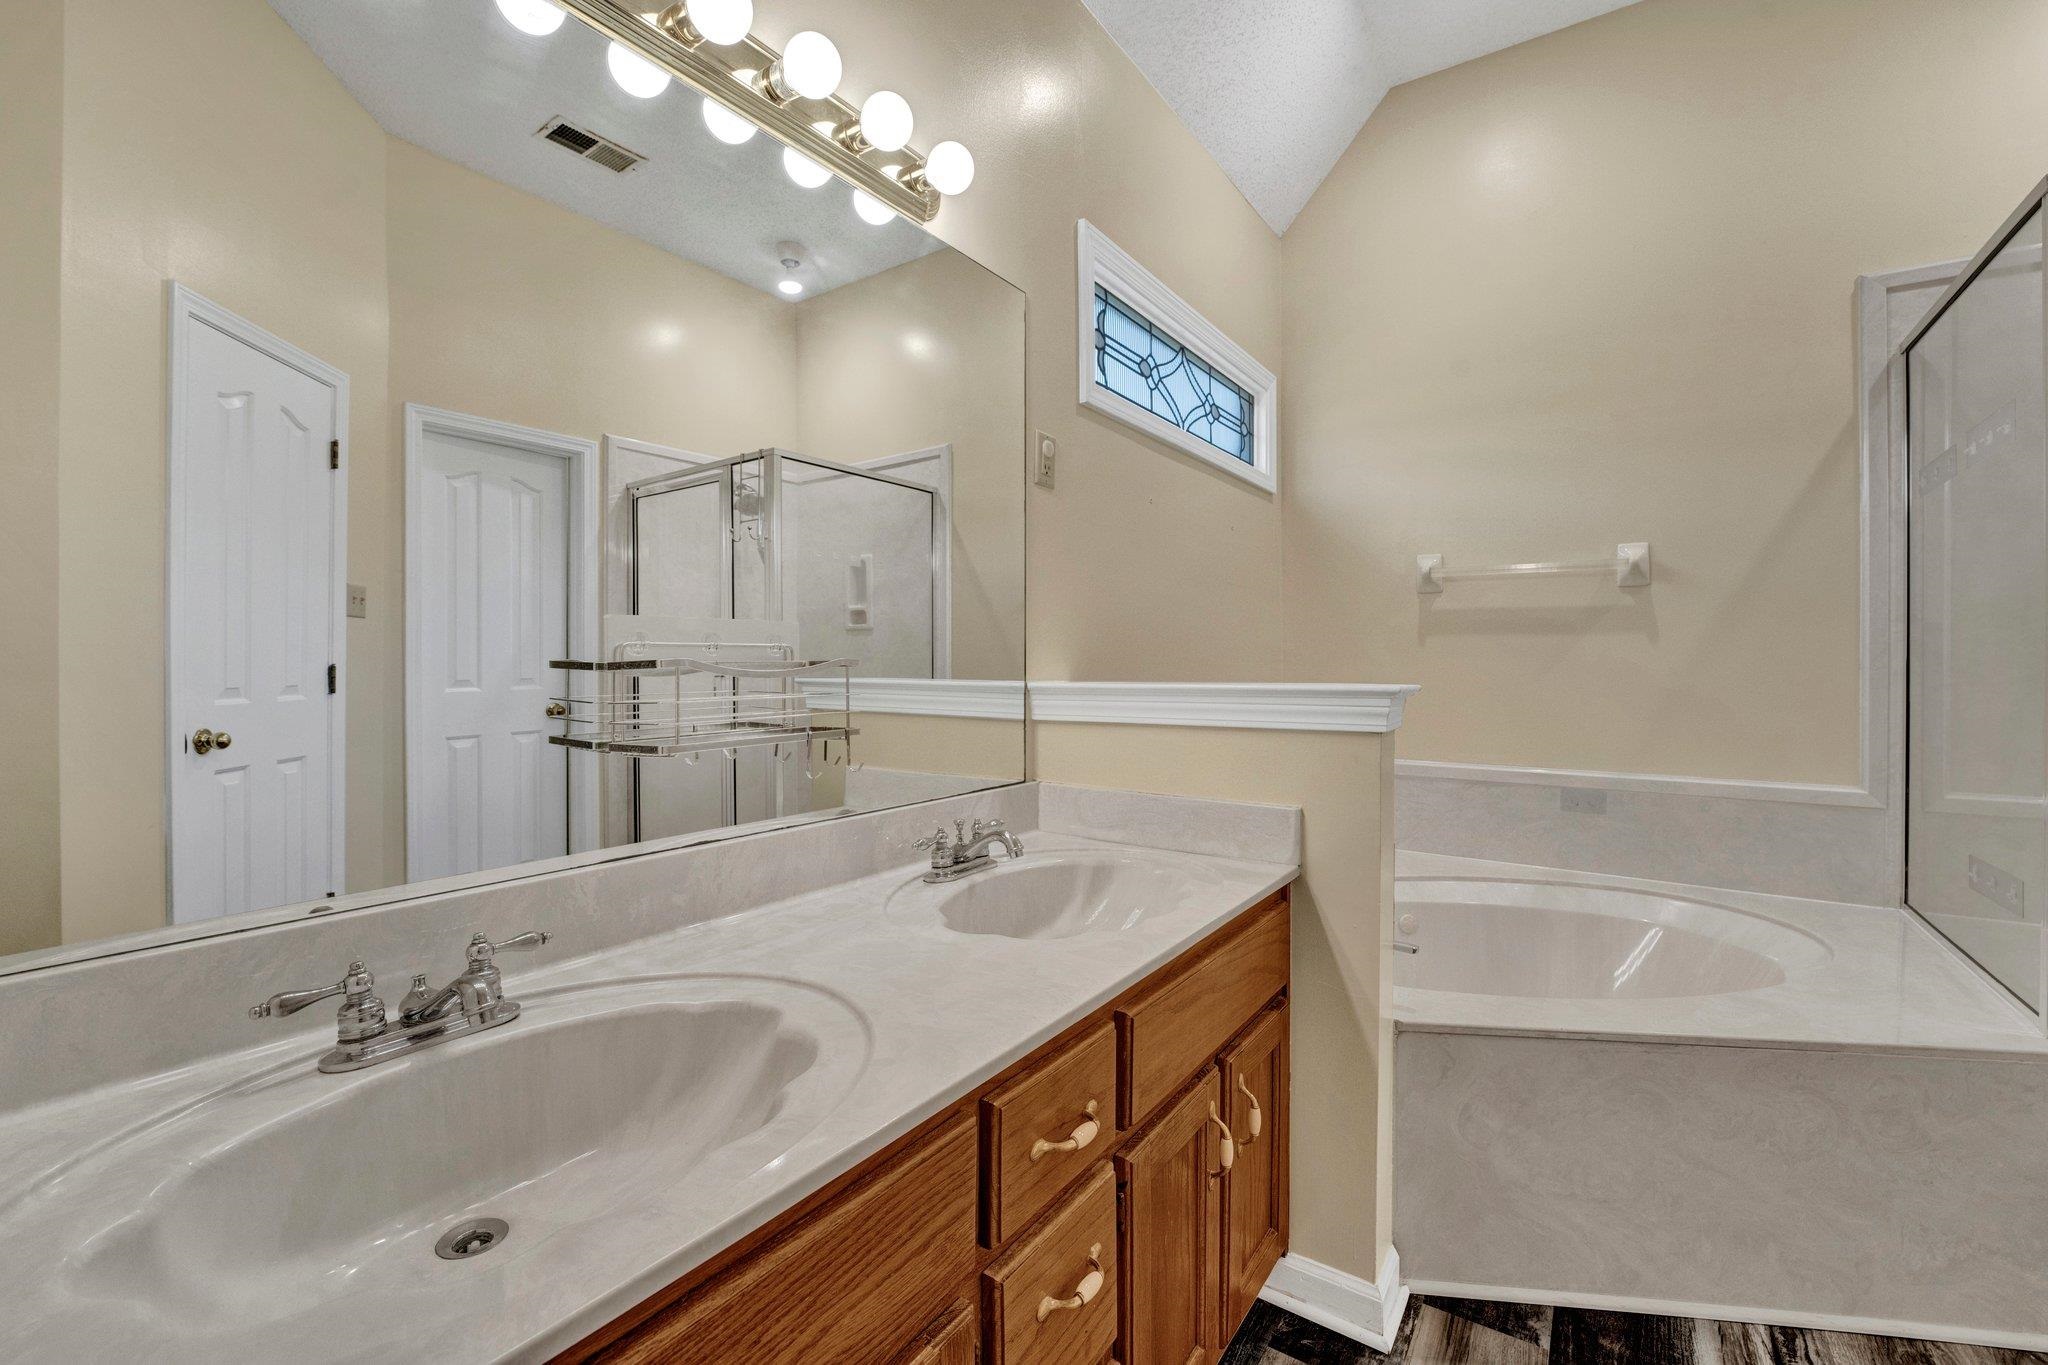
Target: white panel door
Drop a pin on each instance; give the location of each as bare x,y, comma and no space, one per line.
489,594
254,599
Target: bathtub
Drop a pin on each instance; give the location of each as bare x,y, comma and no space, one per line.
1557,940
1667,1099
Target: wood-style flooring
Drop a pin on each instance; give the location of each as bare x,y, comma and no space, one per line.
1470,1332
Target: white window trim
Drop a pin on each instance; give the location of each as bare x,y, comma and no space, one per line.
1104,262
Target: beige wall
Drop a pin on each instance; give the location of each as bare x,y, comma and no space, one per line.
31,96
1136,535
1342,1113
1598,288
922,355
152,95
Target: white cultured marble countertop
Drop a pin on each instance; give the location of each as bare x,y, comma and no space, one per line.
942,1012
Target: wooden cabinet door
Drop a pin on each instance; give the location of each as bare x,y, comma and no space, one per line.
1171,1280
1254,1078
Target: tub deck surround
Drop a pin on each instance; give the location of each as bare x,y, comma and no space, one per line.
932,1014
1832,975
1782,1144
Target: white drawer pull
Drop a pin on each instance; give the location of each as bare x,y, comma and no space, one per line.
1084,1292
1074,1142
1229,1142
1257,1120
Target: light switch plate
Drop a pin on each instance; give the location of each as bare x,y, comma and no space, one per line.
1046,456
358,601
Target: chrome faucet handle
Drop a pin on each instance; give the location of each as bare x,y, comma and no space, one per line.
356,986
960,834
982,827
482,950
937,839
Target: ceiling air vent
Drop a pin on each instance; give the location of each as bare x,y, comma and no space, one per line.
589,145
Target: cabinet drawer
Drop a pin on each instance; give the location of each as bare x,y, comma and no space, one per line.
1052,1298
1176,1028
1042,1131
851,1283
951,1340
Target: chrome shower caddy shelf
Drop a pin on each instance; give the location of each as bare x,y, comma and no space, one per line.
634,714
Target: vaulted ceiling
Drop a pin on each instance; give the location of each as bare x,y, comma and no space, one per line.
1277,89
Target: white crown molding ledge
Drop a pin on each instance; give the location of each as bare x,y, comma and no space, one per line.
976,698
1360,708
1343,1303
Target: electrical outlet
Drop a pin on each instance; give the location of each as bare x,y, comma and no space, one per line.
358,601
1048,455
1584,800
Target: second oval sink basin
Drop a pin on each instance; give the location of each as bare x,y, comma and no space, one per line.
1057,895
280,1202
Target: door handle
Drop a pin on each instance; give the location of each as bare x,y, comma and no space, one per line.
206,741
1228,1152
1258,1117
556,710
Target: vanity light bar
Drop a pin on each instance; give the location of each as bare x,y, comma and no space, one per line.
735,76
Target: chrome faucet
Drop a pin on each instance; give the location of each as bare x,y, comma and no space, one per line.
365,1035
967,849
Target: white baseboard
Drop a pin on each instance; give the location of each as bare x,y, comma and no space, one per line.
1720,1312
1345,1304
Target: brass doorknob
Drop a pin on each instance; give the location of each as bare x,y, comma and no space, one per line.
206,741
556,710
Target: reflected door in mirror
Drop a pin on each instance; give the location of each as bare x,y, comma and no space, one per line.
256,576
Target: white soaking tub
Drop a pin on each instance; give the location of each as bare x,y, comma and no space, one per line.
1677,1099
1556,940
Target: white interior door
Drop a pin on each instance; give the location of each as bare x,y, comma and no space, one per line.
254,605
488,597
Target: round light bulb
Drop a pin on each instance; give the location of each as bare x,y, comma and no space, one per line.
725,125
635,74
950,168
885,121
791,288
810,65
803,170
871,209
721,21
537,17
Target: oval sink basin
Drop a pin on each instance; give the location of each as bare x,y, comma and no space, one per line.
287,1199
1057,895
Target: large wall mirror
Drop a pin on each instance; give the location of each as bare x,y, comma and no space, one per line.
422,398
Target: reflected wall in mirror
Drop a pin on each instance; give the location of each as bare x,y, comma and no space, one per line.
395,356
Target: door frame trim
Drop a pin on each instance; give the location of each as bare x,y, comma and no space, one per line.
185,306
584,581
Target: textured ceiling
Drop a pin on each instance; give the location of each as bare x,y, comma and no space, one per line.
453,77
1277,90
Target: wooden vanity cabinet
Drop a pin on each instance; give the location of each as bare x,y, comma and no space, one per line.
1118,1196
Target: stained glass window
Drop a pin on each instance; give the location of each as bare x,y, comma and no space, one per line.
1138,361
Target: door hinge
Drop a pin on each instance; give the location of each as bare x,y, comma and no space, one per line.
334,454
330,680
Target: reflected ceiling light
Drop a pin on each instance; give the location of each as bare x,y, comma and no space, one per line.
809,67
635,74
720,21
537,17
884,124
803,170
949,169
725,125
871,209
791,288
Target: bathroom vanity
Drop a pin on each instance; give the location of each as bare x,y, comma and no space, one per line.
1120,1194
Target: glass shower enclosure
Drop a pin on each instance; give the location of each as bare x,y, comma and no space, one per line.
1976,474
794,557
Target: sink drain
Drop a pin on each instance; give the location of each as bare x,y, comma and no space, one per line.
473,1237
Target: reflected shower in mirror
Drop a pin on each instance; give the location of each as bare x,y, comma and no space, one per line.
476,463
